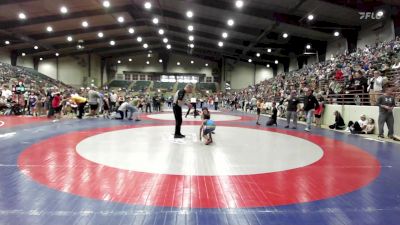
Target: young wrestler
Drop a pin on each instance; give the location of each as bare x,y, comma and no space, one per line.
207,128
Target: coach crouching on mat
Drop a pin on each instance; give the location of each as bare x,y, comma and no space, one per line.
177,107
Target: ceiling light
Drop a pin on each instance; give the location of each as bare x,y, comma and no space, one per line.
189,14
269,50
100,34
231,22
285,35
41,59
121,19
139,39
276,62
106,4
168,46
147,5
192,62
190,28
119,61
112,43
308,46
23,54
220,44
85,24
206,64
63,10
160,60
268,65
310,17
69,38
155,21
191,38
239,4
336,34
178,63
22,16
191,45
7,42
49,29
147,62
225,35
250,60
36,47
145,45
130,60
57,54
131,30
165,40
161,32
258,54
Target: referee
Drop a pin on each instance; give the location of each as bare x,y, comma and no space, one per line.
177,107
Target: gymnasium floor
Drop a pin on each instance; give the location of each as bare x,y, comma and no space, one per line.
97,171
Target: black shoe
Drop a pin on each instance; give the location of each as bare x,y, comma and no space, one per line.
179,136
394,138
381,136
286,126
294,128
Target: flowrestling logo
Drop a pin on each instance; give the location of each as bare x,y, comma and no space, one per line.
371,15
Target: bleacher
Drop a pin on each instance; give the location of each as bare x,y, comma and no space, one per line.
168,86
140,86
181,85
206,87
123,84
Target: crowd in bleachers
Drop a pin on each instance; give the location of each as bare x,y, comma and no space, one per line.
346,78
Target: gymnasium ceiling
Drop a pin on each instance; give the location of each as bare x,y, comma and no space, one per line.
259,25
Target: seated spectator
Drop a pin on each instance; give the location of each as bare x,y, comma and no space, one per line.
339,122
369,129
358,126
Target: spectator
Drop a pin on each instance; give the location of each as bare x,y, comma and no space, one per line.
375,87
292,109
386,105
310,104
339,122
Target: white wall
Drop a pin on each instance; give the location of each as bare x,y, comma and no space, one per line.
25,61
48,67
335,47
369,35
280,68
139,64
263,73
5,56
241,76
72,70
293,63
311,59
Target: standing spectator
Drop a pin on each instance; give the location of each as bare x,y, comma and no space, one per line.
386,104
216,101
6,93
113,100
375,87
56,105
93,100
310,104
319,111
148,103
292,109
